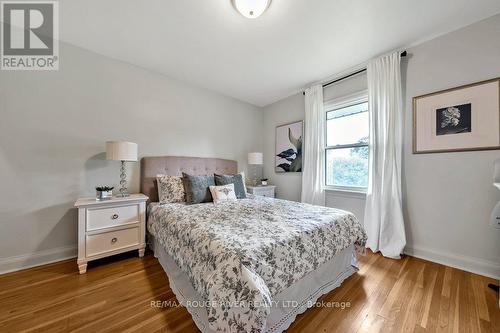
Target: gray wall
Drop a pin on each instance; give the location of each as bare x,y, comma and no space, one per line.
448,197
286,111
53,126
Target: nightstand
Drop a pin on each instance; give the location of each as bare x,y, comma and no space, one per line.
265,190
110,227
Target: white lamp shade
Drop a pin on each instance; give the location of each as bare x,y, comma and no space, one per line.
251,8
121,151
255,158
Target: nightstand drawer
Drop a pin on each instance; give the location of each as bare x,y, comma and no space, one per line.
112,217
110,241
264,191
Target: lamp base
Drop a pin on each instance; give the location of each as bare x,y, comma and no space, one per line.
123,182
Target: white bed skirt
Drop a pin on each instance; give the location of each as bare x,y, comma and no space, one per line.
286,306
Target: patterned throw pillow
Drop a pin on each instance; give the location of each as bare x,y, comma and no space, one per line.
170,189
223,193
196,188
237,180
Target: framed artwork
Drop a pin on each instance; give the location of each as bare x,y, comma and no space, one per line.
288,157
458,119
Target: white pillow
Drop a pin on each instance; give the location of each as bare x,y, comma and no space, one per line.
223,193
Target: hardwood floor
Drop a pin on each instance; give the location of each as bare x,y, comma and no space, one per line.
408,295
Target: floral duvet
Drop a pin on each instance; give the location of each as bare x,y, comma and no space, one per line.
240,254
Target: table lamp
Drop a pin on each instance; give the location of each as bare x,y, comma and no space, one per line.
255,159
125,152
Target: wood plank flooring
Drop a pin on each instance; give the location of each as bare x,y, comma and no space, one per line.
408,295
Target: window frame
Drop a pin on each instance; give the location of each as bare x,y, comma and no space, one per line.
335,104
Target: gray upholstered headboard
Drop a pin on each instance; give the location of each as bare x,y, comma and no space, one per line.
175,166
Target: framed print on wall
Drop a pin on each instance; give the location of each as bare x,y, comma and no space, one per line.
288,156
459,119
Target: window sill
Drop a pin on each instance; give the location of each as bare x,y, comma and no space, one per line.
346,192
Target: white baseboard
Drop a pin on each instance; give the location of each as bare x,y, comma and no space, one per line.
16,263
466,263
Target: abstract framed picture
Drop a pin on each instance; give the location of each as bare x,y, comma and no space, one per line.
464,118
288,156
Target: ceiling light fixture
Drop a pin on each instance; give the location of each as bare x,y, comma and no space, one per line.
251,8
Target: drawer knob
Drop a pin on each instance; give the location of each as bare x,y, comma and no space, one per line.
114,240
114,216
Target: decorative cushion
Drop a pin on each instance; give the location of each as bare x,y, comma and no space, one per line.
197,188
170,189
223,193
237,180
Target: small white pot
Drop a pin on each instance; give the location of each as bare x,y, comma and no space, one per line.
104,195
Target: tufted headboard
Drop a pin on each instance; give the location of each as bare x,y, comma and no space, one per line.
175,166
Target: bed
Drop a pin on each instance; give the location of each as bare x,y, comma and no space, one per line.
251,265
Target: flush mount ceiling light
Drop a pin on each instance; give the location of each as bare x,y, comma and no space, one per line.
251,8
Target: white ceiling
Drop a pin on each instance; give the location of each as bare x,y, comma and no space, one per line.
296,42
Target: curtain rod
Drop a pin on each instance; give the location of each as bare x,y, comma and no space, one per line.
403,54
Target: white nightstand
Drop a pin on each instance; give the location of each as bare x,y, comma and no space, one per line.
265,191
109,227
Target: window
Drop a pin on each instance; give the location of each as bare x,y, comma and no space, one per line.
347,143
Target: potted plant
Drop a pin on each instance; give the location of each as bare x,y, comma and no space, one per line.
263,181
104,192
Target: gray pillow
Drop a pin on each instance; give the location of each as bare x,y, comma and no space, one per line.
237,180
197,188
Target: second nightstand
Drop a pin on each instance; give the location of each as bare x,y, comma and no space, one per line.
265,191
110,227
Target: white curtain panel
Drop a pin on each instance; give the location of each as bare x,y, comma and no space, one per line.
384,222
313,165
